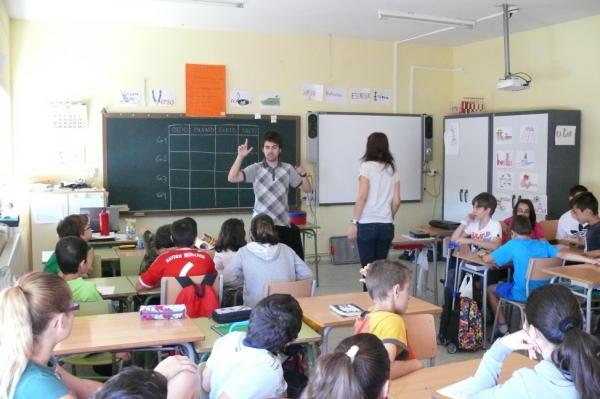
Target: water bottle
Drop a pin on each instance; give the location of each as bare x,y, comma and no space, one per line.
129,229
104,223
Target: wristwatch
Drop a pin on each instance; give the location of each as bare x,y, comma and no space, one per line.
353,221
304,175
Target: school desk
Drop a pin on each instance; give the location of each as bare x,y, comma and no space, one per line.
470,262
153,291
424,383
107,254
120,239
306,336
310,230
318,315
585,278
122,285
124,331
406,242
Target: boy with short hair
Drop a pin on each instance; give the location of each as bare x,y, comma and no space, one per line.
71,253
519,250
76,226
388,286
568,226
184,260
246,365
477,228
585,209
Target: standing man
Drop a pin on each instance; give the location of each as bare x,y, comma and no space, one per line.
271,180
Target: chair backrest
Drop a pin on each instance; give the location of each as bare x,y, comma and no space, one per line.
130,265
420,329
549,227
297,289
97,307
535,269
97,267
170,288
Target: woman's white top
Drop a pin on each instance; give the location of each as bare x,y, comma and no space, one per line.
378,208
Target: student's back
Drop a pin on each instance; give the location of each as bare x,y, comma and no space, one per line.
71,254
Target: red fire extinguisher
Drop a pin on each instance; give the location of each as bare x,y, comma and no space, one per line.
104,225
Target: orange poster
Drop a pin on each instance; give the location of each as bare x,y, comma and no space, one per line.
204,90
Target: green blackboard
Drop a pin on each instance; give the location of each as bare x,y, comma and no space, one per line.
169,162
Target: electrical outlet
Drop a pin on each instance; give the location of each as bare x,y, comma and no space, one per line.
432,172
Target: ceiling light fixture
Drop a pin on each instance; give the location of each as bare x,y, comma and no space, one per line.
224,3
423,18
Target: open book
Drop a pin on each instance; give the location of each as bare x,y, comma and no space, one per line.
347,309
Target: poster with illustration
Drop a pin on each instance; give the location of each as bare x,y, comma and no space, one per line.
452,138
525,159
529,181
540,203
505,180
240,98
504,203
529,134
503,135
504,159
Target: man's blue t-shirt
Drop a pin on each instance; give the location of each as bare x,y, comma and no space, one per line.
519,251
39,382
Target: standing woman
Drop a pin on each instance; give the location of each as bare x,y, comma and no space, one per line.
377,201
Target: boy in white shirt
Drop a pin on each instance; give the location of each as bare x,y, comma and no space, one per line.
477,228
245,365
568,226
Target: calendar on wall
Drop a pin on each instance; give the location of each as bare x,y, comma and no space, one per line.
66,115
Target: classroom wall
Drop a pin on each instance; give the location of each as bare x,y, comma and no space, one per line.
563,60
92,63
4,47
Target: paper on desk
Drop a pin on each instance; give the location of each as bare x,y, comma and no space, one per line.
105,290
458,390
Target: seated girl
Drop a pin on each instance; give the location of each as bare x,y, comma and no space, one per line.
525,208
265,260
570,365
35,315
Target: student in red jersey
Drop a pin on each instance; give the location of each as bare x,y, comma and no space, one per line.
183,260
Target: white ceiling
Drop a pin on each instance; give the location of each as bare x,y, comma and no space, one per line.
350,18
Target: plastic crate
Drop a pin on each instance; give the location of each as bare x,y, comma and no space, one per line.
342,251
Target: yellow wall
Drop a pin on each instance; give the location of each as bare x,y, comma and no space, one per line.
91,63
563,60
4,45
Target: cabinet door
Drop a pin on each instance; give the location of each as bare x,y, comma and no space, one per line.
519,161
465,164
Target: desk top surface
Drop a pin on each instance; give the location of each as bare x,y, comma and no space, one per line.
134,280
317,313
123,286
306,335
472,257
584,273
425,382
308,226
122,331
436,231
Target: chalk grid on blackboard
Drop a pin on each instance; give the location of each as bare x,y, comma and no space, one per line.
200,156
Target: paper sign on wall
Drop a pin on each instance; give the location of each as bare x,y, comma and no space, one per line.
360,96
528,134
451,138
504,159
160,97
129,97
204,90
565,135
270,100
525,159
335,95
312,92
382,96
240,98
503,135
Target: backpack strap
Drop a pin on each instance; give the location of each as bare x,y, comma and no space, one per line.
199,289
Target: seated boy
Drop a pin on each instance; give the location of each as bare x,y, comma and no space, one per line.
388,286
519,250
180,261
568,227
477,228
71,253
77,226
585,209
246,365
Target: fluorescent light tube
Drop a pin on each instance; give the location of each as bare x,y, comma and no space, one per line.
423,18
224,3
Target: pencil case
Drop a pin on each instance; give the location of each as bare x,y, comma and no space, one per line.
231,314
162,312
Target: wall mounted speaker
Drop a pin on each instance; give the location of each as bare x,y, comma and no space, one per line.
312,143
427,138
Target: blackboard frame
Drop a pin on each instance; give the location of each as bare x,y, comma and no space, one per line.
155,115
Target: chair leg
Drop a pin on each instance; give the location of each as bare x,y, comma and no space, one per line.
500,303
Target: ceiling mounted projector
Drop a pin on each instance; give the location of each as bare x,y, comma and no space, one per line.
512,81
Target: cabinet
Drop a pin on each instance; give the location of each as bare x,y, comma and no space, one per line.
47,208
466,162
530,154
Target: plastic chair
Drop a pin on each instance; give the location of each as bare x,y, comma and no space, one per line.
96,267
297,289
94,359
535,271
170,288
550,227
420,331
